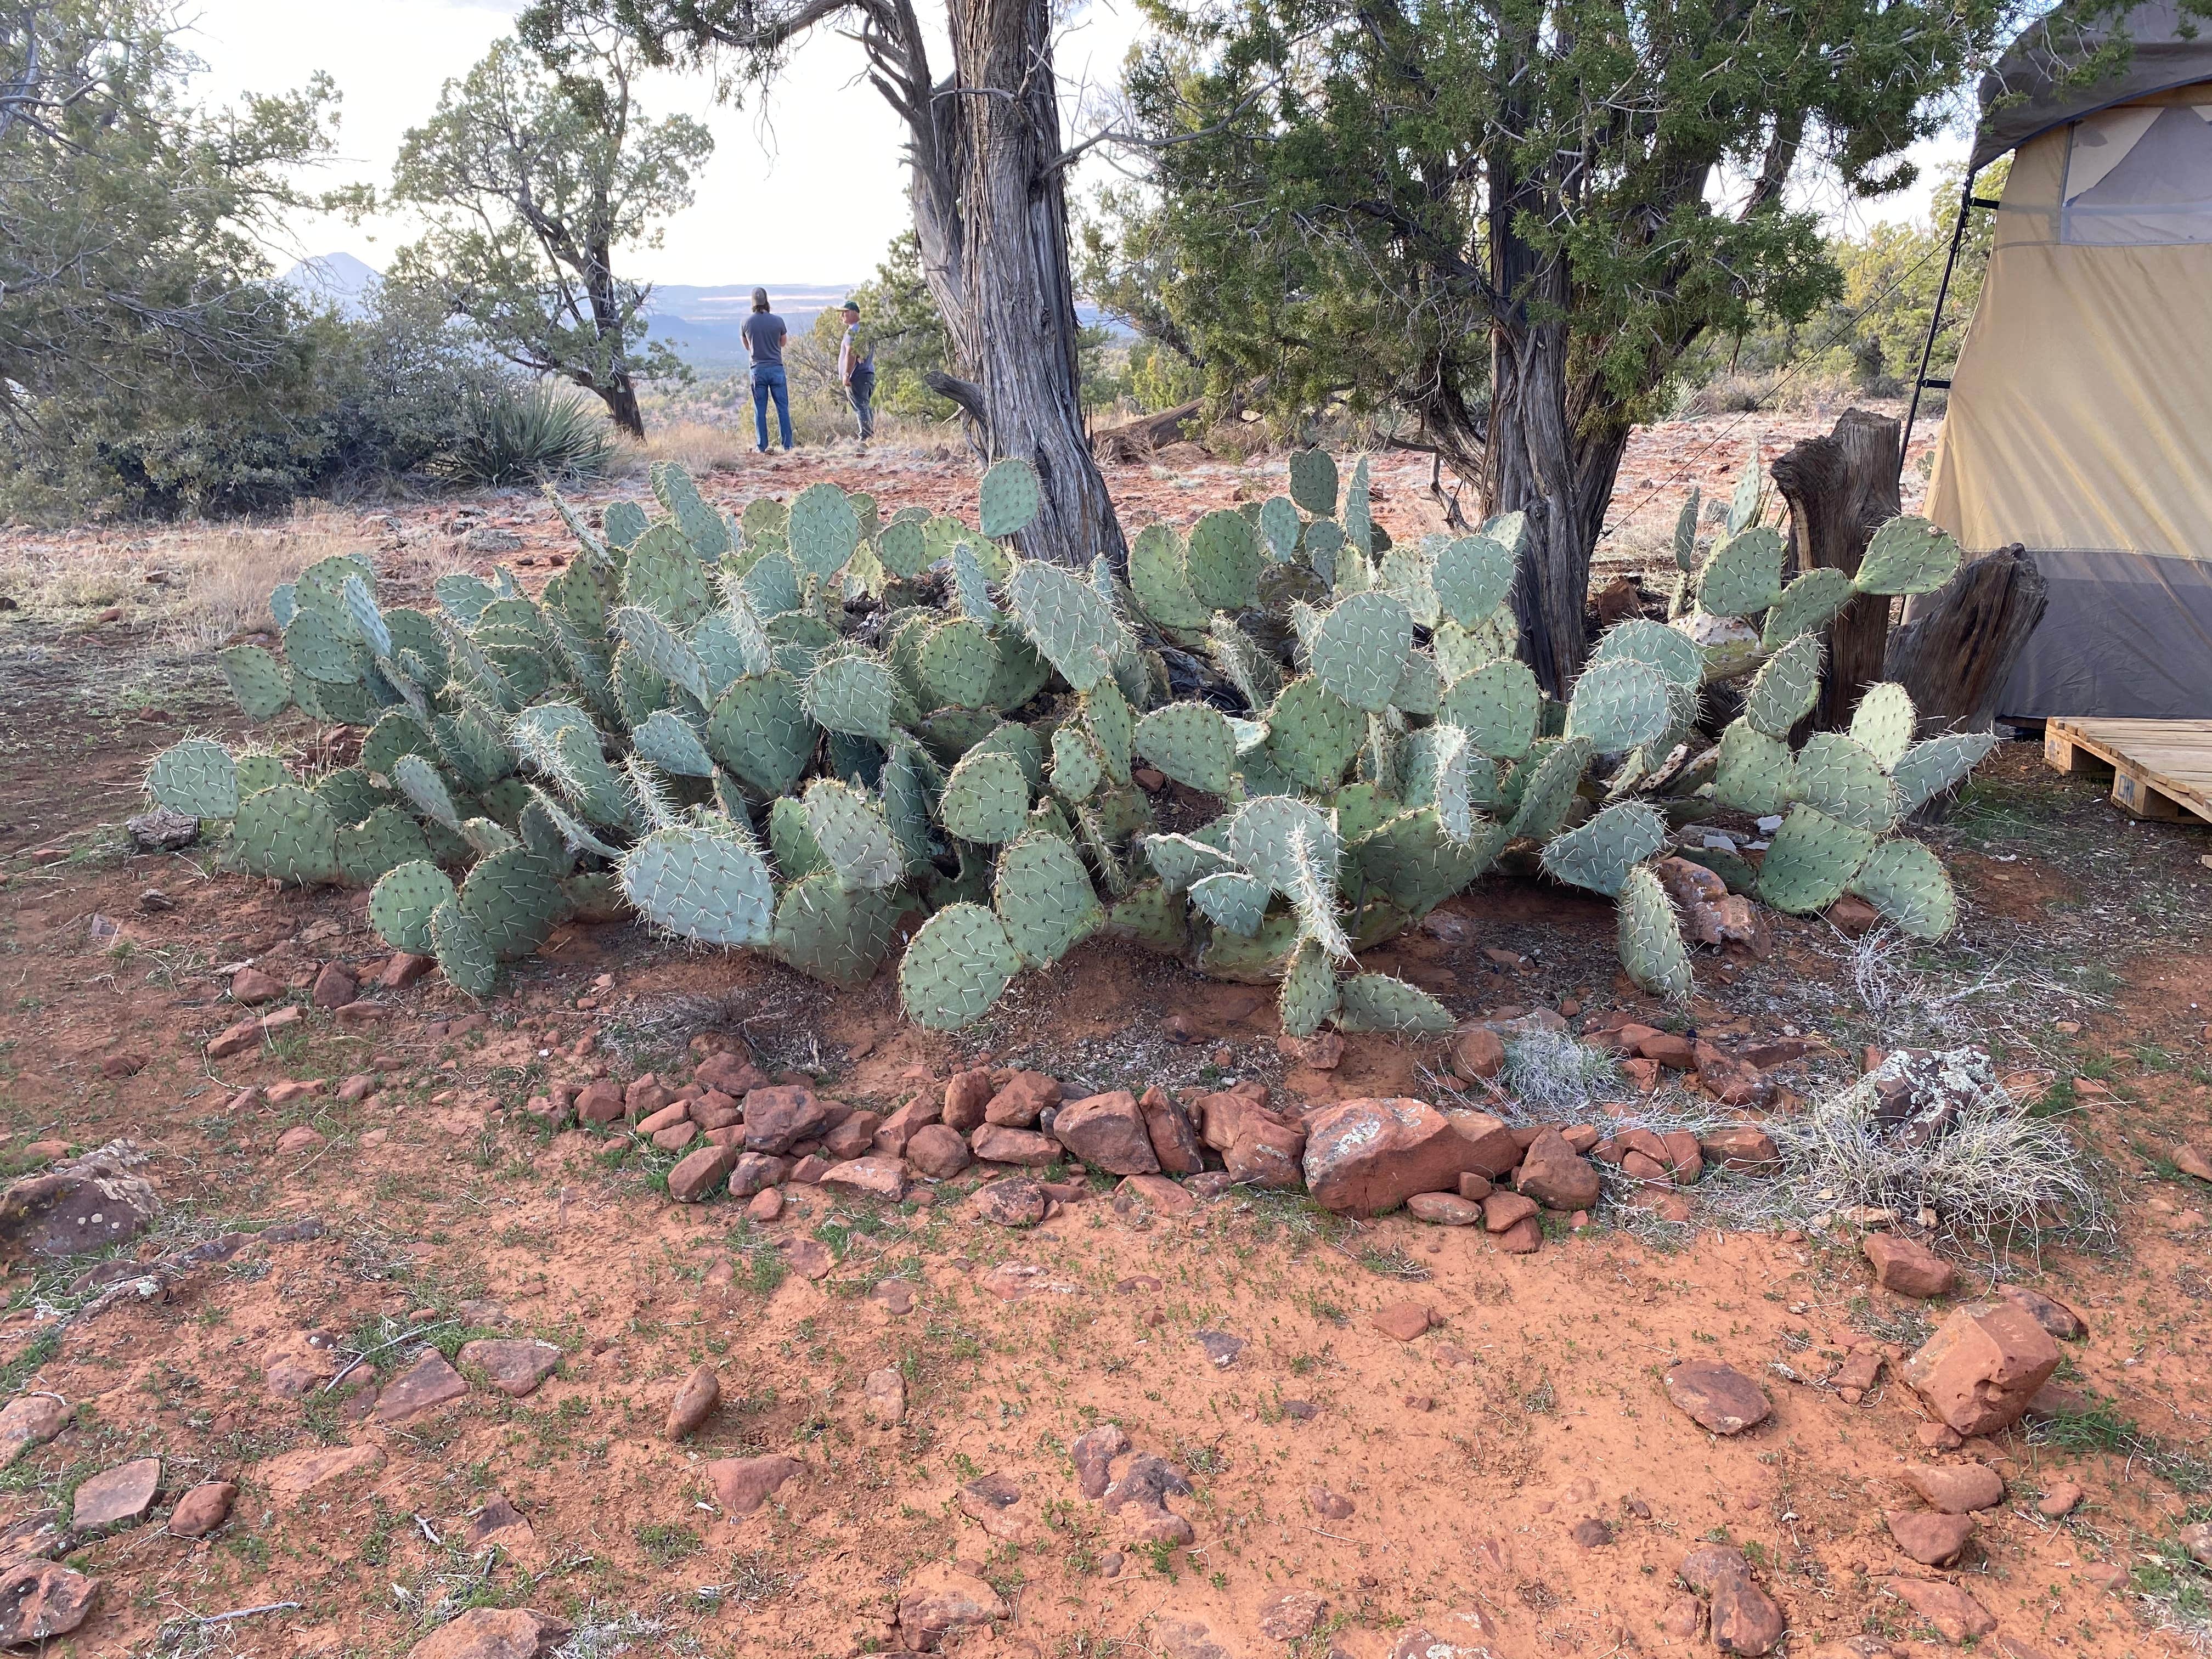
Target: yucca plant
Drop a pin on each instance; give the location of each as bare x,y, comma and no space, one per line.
527,432
786,732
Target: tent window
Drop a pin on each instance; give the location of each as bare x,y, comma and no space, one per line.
2140,175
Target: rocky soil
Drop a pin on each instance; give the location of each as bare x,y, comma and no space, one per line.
674,1303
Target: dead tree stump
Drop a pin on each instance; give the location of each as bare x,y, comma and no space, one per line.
1957,650
1841,489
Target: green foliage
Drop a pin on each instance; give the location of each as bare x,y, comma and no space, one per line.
526,433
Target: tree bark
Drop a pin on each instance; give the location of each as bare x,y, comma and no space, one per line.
1957,650
1841,489
621,399
1135,440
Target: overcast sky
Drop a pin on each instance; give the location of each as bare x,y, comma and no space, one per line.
807,187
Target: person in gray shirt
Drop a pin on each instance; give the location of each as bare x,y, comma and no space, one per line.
763,334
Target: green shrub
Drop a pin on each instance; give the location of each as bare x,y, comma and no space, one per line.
527,432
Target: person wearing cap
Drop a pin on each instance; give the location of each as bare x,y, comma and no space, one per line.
763,334
856,367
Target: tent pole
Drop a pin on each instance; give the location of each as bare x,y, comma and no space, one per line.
1935,317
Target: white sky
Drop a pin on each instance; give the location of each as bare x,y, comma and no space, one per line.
805,187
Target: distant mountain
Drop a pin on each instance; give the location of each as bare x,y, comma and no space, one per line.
336,280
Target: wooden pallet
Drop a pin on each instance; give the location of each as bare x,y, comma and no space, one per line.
2160,769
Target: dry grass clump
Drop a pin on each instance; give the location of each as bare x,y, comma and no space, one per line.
1557,1079
1989,1169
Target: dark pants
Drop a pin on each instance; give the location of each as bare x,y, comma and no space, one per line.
862,392
769,381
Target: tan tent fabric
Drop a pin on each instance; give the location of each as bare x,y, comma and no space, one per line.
2081,411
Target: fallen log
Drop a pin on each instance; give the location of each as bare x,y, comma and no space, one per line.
1958,645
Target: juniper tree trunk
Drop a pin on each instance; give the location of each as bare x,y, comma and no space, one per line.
1958,645
990,205
1841,489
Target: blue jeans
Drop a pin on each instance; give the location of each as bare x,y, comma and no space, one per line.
862,392
768,379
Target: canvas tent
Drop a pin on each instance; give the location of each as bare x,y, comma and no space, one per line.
2080,422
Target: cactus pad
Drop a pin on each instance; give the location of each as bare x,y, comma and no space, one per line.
1498,705
852,695
196,777
257,680
823,528
1191,743
959,663
1044,899
1599,853
758,729
1619,705
1010,498
1785,688
287,833
669,742
1742,575
1312,733
665,576
1181,861
1308,995
1650,936
1811,860
702,882
1472,578
1156,579
1264,838
1548,789
1755,772
464,955
1672,651
1685,533
1068,618
1809,604
1279,528
1313,481
1233,899
1884,723
956,968
515,898
381,841
1907,556
1076,771
1222,562
1379,1002
1908,884
1929,767
987,798
401,904
1359,650
853,836
1841,778
901,547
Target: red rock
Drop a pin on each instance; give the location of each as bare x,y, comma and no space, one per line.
1956,1488
1218,1115
297,1473
124,1065
755,1172
1523,1237
1907,1267
1107,1132
1092,1452
1023,1098
42,1599
334,987
1853,914
937,1600
878,1177
252,988
1582,1139
1014,1201
1330,1506
1933,1539
2059,1499
1364,1156
854,1138
1154,1193
742,1485
1492,1150
994,1144
1473,1188
676,1112
252,1033
493,1633
698,1175
116,1495
882,1397
1293,1617
778,1119
1744,1619
645,1096
894,1132
1742,1147
807,1170
300,1138
600,1102
1403,1320
1718,1397
403,970
1958,1617
1686,1159
729,1073
936,1151
1444,1209
1731,1081
1670,1049
1502,1209
1983,1366
1168,1127
1477,1054
2056,1317
1638,1167
766,1205
694,1403
1267,1155
1321,1051
1555,1177
965,1098
202,1509
428,1382
31,1420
